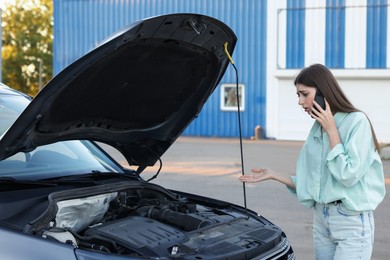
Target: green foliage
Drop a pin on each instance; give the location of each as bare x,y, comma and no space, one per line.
27,44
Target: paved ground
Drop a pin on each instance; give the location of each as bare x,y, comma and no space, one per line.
211,167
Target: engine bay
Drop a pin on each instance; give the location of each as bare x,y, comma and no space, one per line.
146,220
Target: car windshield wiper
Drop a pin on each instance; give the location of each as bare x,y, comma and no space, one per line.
7,183
88,179
94,175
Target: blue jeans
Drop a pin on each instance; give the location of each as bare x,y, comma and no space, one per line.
340,233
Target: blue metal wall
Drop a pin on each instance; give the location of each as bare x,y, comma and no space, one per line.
79,25
335,33
376,22
295,38
376,33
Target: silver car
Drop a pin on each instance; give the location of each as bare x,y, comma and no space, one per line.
63,197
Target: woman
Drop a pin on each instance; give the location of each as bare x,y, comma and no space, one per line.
339,171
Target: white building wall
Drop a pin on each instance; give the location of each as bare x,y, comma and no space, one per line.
368,89
315,32
275,38
355,36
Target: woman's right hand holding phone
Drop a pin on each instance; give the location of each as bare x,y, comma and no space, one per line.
326,119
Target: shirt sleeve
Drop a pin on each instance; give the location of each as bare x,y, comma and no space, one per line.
348,162
292,190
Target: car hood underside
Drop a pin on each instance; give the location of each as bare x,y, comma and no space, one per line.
137,91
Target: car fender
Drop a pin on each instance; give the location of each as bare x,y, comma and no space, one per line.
15,245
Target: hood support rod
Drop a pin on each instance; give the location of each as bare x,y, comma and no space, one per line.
239,125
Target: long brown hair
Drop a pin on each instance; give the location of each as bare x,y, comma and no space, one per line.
320,77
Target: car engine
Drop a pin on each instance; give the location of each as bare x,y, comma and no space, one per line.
147,220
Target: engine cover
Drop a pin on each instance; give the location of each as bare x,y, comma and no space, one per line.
142,235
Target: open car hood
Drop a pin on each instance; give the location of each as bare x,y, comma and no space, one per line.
137,91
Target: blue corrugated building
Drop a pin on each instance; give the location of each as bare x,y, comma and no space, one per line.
275,40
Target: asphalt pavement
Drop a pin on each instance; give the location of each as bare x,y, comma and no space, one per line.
212,166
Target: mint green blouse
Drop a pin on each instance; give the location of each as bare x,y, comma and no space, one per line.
351,172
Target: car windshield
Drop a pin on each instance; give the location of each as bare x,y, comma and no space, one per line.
11,106
48,161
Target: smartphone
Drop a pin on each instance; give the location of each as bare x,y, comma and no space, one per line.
319,98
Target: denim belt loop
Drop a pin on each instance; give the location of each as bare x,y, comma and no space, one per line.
337,202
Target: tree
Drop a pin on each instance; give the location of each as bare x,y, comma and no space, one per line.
27,44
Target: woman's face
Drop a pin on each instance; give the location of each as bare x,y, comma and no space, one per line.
306,96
